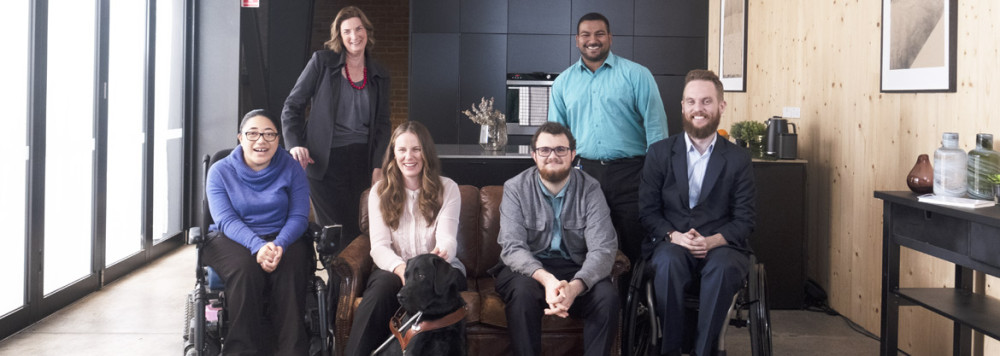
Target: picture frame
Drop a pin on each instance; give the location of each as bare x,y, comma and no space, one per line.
919,48
733,45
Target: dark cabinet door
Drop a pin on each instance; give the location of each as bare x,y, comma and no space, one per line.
482,67
779,240
434,84
434,16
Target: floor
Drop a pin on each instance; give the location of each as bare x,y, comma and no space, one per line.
143,313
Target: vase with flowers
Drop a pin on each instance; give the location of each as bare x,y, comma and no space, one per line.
493,134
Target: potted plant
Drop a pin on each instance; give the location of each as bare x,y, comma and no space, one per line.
995,179
745,132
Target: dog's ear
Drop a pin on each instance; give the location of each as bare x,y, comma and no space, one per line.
444,279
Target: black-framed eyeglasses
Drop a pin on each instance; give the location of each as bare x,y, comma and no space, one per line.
254,135
546,151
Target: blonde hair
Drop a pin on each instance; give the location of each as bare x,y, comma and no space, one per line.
392,190
336,43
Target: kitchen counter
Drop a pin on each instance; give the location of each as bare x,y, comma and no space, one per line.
451,151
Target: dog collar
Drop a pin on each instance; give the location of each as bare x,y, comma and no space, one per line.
423,326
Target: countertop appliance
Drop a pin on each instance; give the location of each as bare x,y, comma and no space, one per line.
780,142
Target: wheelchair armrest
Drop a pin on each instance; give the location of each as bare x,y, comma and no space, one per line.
620,267
194,236
352,267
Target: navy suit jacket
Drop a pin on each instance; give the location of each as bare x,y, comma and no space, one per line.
726,205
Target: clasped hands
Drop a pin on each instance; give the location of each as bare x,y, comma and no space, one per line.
559,294
269,256
694,242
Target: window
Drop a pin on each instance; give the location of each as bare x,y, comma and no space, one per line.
14,24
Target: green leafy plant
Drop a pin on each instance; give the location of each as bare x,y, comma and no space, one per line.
995,178
747,130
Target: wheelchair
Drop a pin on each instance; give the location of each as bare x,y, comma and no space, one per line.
641,334
205,313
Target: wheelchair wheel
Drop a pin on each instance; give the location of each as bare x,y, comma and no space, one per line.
760,318
637,334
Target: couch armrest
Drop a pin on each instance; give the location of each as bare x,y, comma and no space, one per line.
621,266
351,267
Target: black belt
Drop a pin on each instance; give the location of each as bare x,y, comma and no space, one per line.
609,162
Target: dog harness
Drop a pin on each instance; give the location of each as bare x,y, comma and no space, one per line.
404,338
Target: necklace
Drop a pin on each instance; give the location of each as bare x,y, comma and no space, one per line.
351,82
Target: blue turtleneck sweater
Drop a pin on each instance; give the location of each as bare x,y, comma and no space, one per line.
247,205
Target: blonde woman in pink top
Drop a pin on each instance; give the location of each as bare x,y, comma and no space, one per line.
412,211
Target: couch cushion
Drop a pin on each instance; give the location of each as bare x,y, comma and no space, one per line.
468,230
489,228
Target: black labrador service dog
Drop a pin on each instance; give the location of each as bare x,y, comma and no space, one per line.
432,290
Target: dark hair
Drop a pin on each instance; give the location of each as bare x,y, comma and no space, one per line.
336,43
707,75
254,113
392,190
554,129
593,16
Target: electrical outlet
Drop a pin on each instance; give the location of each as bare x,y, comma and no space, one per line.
790,112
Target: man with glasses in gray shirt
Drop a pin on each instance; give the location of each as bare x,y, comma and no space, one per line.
558,247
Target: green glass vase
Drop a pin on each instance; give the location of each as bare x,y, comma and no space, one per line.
983,162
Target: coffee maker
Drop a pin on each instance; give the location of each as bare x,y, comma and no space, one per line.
780,142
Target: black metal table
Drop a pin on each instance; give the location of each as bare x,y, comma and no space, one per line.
969,238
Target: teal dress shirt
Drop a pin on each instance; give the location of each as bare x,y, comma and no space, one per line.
614,112
556,248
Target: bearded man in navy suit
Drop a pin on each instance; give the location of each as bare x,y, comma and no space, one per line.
697,201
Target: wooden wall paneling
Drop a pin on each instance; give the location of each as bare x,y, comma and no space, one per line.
824,58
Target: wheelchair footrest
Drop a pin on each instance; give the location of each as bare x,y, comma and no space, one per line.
739,323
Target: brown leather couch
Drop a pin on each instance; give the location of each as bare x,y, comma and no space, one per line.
478,226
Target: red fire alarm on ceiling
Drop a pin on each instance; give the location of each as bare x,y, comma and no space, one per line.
250,3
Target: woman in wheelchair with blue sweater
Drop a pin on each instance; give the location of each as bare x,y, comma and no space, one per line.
259,200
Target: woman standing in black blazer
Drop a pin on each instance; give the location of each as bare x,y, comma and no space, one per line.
347,130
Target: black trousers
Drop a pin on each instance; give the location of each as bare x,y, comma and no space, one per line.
378,304
525,305
336,198
620,182
722,273
247,289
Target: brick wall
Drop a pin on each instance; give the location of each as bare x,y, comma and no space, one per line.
391,19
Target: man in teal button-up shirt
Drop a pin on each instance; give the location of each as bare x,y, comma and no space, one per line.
613,107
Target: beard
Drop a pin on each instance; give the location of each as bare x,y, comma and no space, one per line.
554,175
600,57
704,131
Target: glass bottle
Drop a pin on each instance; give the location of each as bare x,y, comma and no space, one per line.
950,167
983,162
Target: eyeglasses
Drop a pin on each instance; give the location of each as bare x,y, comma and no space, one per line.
546,151
254,135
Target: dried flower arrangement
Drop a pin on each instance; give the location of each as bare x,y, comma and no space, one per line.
484,114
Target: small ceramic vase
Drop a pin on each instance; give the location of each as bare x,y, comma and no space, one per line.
921,177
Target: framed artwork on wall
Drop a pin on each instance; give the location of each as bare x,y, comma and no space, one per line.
919,45
733,45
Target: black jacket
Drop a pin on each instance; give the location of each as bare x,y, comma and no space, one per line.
319,85
726,205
